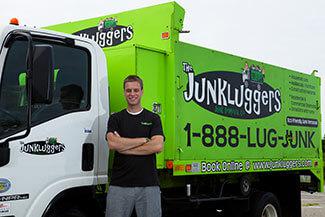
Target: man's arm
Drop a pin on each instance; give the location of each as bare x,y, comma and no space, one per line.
121,144
155,145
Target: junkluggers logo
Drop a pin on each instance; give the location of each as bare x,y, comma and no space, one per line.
231,94
107,33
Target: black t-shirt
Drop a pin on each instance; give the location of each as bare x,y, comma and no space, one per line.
134,170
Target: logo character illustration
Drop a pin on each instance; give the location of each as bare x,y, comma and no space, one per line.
253,74
107,24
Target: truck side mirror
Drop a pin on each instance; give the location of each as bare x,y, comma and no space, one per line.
42,74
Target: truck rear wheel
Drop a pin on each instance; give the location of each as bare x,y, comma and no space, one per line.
265,204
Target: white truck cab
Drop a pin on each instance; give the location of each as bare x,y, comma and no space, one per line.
58,156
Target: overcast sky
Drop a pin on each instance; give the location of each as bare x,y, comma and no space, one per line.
287,33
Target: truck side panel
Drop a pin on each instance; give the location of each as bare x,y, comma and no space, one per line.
239,115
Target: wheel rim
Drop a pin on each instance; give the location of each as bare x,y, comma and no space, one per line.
269,211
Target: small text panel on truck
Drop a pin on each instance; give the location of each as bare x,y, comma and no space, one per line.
242,136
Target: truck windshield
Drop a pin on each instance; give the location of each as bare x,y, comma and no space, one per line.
71,94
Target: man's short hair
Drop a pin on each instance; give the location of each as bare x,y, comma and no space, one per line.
132,78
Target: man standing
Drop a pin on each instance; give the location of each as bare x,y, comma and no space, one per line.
136,135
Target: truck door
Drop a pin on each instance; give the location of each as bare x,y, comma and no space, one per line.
50,159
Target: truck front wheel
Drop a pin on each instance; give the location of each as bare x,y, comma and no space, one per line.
265,204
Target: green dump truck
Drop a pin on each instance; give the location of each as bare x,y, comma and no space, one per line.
242,136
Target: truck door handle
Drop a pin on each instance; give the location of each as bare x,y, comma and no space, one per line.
87,157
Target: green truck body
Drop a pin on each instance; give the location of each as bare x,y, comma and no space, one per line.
221,114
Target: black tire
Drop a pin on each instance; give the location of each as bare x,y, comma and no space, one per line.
264,204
